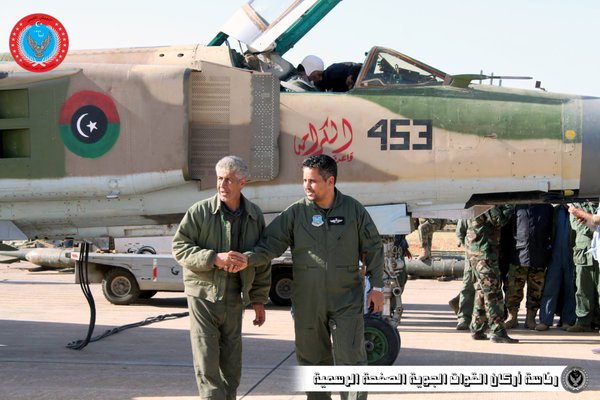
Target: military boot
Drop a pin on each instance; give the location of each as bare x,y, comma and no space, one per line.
426,256
541,327
502,337
530,320
453,303
512,321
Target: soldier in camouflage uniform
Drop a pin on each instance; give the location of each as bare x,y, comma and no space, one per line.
586,273
483,247
529,258
426,228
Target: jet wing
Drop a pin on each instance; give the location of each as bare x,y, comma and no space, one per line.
10,79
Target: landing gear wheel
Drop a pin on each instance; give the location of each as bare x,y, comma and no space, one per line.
281,288
382,341
120,287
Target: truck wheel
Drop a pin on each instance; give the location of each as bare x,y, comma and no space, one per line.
381,342
281,288
147,294
120,287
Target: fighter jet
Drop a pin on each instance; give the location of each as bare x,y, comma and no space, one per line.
120,142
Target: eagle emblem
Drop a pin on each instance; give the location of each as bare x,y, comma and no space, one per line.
39,49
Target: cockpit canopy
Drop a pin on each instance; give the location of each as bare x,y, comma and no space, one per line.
386,67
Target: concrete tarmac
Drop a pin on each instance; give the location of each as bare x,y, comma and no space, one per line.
40,312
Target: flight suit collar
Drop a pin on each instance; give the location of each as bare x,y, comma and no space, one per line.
337,201
246,204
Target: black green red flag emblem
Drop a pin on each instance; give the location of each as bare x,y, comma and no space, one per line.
89,124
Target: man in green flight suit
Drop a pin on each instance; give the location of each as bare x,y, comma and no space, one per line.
591,221
328,233
207,245
587,281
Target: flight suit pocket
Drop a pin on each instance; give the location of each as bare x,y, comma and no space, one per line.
347,276
307,278
582,257
348,340
346,238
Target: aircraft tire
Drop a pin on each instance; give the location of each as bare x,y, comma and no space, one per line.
382,341
281,287
120,287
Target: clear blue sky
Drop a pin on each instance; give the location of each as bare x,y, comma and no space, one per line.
551,40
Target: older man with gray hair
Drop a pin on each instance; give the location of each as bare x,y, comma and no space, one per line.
218,282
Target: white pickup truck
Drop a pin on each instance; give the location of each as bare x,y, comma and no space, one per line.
127,277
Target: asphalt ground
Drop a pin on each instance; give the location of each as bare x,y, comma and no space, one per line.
41,312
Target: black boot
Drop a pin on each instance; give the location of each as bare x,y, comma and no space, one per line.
479,335
502,337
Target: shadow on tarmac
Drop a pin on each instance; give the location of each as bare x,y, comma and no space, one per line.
147,361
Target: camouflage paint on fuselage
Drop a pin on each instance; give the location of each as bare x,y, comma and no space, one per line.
31,144
481,110
472,146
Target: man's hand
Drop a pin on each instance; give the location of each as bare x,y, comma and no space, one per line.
376,298
259,314
582,216
232,261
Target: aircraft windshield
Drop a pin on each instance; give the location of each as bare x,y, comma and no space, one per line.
385,67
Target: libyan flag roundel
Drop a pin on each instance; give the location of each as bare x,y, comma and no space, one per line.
89,124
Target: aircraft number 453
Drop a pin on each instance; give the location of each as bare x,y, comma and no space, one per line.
388,130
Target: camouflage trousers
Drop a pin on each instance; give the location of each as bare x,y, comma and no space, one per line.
427,226
488,309
518,276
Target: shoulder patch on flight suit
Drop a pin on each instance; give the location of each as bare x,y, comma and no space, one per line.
317,220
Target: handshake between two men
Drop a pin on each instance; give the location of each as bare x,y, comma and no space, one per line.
231,261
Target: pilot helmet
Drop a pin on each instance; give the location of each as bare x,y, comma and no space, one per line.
312,63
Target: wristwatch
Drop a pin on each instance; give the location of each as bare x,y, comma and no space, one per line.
377,289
